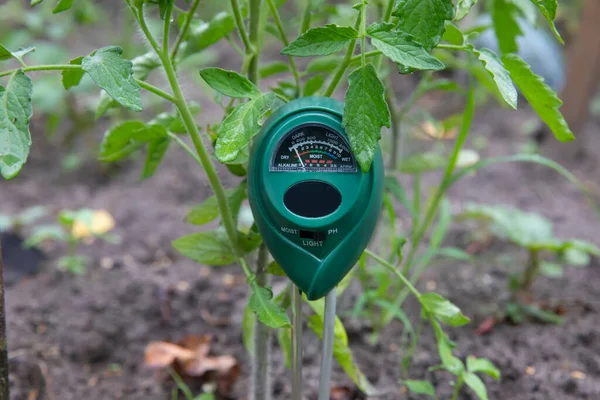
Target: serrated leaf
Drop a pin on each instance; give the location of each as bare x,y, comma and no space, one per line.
156,151
114,74
121,140
62,5
504,18
482,365
71,78
476,385
341,350
313,85
442,309
462,8
321,41
502,79
15,113
365,113
548,9
267,312
420,387
205,34
229,83
402,49
542,98
241,126
210,248
424,19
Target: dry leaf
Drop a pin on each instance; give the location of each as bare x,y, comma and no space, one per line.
164,354
342,393
101,222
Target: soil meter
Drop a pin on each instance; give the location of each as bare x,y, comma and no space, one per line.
313,205
315,209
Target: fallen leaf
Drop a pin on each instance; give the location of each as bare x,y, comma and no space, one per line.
529,371
164,354
342,393
486,326
578,375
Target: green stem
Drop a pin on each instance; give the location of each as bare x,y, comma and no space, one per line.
395,271
277,20
368,54
184,29
239,21
416,206
391,100
451,47
339,73
139,13
363,34
261,386
306,17
235,46
457,387
155,90
388,15
167,27
532,270
56,67
254,36
184,146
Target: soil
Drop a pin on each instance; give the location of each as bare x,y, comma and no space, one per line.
83,337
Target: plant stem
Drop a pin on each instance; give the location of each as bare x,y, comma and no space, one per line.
155,90
239,21
339,73
277,20
457,386
391,100
4,386
368,54
531,271
388,15
363,34
261,383
167,26
395,271
450,47
187,148
306,17
254,36
184,29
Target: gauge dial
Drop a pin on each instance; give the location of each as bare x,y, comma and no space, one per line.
313,148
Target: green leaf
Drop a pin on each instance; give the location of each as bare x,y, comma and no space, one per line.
420,387
402,49
62,5
163,6
15,113
453,34
455,254
542,98
105,103
313,85
208,210
121,140
45,232
156,151
423,162
284,337
462,8
210,248
275,269
323,64
229,83
35,2
476,385
393,185
241,126
449,361
114,74
442,309
248,324
424,19
341,349
504,18
71,78
482,365
6,54
502,79
205,34
321,41
574,256
548,9
551,270
365,113
274,68
266,310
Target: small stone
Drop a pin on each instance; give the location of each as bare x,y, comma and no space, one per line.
183,286
228,280
204,272
577,375
431,285
530,371
128,260
107,263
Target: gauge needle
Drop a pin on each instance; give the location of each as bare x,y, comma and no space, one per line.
299,158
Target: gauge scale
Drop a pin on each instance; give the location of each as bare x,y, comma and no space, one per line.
313,147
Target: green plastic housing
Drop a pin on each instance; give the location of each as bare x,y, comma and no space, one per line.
315,266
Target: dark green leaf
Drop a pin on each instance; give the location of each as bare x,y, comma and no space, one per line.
274,68
156,151
542,98
482,365
365,113
420,387
313,85
341,349
229,83
269,313
121,140
476,385
424,19
463,7
321,41
275,269
71,78
114,74
504,19
210,248
548,9
205,34
15,113
241,126
402,49
62,5
502,79
249,241
442,309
